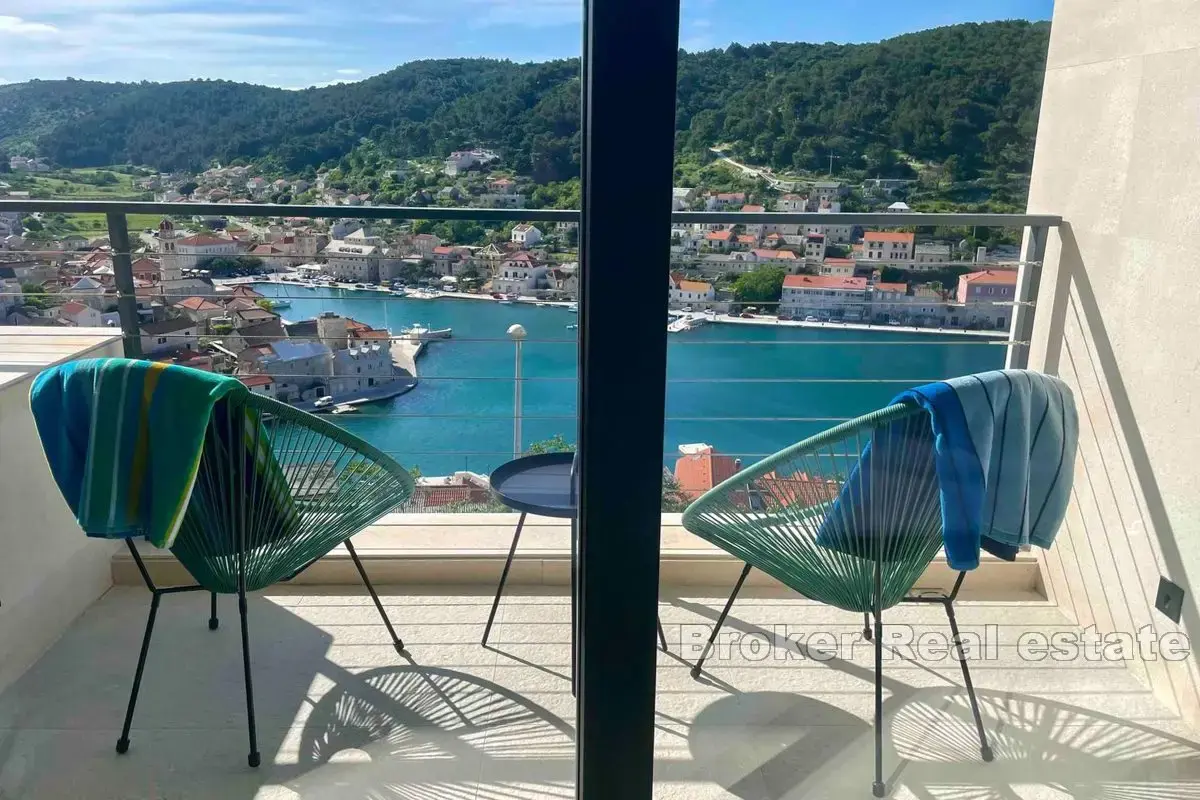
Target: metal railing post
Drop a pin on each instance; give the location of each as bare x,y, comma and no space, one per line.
118,239
1029,279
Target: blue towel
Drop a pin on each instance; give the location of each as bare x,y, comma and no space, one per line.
124,440
1003,451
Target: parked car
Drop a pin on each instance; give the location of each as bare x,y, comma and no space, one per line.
322,402
811,318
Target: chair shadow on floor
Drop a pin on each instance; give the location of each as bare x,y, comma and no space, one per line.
325,730
773,746
424,732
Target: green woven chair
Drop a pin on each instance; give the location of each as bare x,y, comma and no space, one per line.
293,488
782,516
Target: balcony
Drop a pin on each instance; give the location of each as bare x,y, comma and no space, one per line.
1112,199
341,714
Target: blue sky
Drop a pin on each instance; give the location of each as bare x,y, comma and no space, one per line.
297,43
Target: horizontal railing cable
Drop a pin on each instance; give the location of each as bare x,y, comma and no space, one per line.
269,210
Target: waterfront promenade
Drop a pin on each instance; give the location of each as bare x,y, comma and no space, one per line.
725,319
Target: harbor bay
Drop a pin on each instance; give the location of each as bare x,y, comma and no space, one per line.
747,390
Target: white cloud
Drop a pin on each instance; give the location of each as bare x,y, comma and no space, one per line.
16,26
349,72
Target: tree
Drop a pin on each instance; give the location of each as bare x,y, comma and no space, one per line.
35,295
188,188
970,90
763,285
960,169
555,444
674,499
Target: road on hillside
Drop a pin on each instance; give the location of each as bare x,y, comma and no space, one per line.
771,180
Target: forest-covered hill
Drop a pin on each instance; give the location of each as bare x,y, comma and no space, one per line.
965,94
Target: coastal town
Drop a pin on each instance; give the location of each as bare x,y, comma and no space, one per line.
194,275
756,271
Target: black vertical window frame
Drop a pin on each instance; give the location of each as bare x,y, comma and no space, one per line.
630,54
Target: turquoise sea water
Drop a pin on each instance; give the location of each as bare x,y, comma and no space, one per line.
460,416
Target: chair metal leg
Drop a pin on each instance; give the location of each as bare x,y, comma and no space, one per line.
213,622
985,749
362,573
737,587
253,759
867,625
123,742
662,636
878,788
503,578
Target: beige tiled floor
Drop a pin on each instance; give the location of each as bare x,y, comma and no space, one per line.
340,714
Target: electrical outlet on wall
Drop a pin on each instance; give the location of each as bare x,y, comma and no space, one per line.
1169,599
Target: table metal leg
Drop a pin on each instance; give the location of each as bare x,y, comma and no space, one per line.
504,577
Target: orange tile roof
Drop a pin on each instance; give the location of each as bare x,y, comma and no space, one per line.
699,472
747,238
824,282
256,380
694,286
839,262
73,307
198,304
798,489
753,209
892,287
778,255
203,240
889,236
719,236
997,277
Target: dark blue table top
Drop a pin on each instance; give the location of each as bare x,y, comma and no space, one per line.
539,484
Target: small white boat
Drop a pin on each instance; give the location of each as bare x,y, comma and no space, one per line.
423,333
572,327
573,308
345,408
505,302
280,304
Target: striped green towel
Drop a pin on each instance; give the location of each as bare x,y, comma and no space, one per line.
124,440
